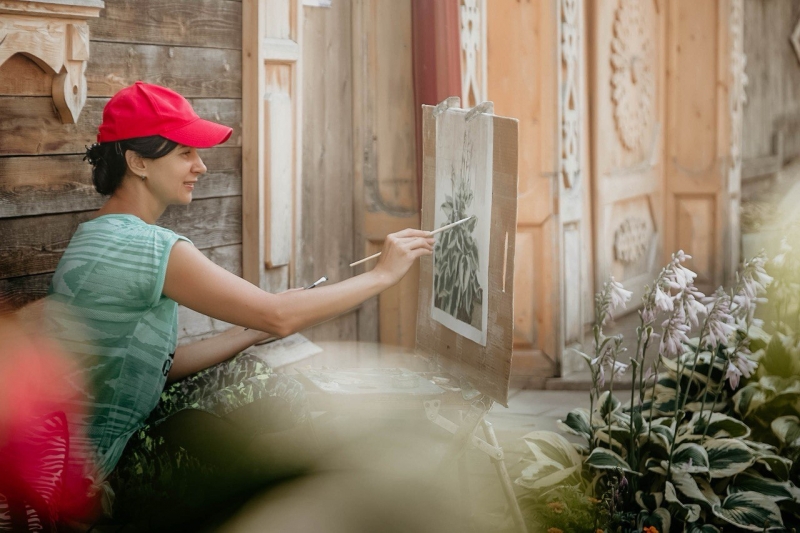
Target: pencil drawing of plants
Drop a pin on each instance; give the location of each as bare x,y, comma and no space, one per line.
457,290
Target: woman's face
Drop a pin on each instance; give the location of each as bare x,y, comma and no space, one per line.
172,178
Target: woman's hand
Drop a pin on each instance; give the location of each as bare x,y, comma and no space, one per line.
400,250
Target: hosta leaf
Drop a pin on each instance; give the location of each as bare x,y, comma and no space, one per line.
777,491
654,465
707,528
720,426
649,500
748,399
777,360
607,404
779,466
787,429
661,435
690,457
660,519
686,512
708,491
542,480
547,446
687,485
605,459
727,457
749,510
577,423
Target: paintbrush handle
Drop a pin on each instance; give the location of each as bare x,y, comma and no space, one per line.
434,232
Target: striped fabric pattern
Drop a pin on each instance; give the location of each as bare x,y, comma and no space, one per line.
106,307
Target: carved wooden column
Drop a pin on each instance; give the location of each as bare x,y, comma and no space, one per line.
472,23
55,35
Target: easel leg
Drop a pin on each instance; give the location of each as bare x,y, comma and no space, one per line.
505,480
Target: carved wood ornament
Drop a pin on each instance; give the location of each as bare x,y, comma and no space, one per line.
738,97
570,105
55,35
473,52
632,78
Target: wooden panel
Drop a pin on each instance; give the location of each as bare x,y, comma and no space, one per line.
57,184
327,193
193,72
571,264
280,193
19,76
394,107
773,72
694,70
525,330
34,245
31,125
272,97
522,68
202,23
696,218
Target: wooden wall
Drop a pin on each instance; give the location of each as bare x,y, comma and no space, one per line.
773,70
194,47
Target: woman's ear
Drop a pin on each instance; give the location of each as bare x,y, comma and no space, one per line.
135,163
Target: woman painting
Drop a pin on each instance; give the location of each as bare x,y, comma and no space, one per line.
165,454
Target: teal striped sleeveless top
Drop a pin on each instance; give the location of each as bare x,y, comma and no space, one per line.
106,308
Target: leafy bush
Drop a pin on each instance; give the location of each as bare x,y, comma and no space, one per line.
674,457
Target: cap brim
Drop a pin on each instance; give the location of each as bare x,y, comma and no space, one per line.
200,134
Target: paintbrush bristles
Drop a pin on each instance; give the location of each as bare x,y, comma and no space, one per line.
434,232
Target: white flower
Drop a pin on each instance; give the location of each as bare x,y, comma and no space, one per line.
619,369
680,257
719,331
732,374
693,308
673,338
619,296
745,365
663,301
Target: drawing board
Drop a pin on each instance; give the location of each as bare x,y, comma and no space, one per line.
465,312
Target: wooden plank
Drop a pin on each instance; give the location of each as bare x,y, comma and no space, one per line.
16,292
202,23
31,125
20,76
280,193
193,72
40,185
34,245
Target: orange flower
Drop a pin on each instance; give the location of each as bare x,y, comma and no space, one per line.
556,507
554,530
594,501
599,531
650,529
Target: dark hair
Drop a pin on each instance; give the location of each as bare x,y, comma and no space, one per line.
108,159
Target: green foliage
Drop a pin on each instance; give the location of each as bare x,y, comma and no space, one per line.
691,453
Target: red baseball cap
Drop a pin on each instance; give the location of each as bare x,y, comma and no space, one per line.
143,109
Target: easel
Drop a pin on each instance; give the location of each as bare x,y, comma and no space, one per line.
485,368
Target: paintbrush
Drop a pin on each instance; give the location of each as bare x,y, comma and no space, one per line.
434,232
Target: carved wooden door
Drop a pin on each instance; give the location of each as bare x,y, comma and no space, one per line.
626,87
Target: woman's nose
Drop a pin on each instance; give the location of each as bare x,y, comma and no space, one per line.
199,166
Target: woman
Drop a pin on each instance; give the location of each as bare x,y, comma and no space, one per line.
114,300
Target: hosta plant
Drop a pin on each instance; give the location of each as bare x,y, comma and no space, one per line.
674,456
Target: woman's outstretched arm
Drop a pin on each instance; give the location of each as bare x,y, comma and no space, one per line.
196,282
